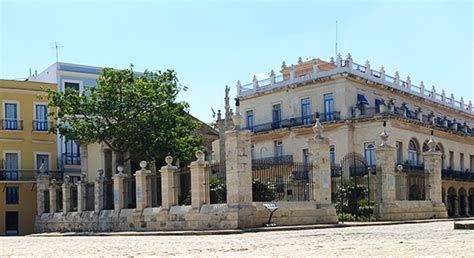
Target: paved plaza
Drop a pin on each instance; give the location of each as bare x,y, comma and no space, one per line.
436,238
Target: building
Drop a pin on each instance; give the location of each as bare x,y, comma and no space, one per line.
352,101
25,145
66,75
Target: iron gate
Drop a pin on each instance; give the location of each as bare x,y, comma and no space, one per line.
351,191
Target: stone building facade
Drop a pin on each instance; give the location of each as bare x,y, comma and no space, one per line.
352,101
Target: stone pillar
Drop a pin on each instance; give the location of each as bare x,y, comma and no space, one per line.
457,203
321,174
169,192
81,194
84,163
432,162
384,154
199,181
466,205
42,184
143,191
238,167
119,189
99,191
66,187
52,196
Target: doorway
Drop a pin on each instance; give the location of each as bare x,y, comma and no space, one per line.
11,223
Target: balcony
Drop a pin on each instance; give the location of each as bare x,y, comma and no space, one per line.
448,174
26,175
42,125
295,121
11,124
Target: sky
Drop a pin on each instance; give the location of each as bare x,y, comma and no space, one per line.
211,44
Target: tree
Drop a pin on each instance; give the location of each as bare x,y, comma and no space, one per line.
135,115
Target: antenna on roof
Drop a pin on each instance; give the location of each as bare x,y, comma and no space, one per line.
336,38
57,45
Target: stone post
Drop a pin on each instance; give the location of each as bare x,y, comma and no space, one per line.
81,194
321,174
99,191
384,154
238,164
432,162
142,190
66,187
52,196
466,201
402,183
42,184
119,189
169,192
199,181
457,204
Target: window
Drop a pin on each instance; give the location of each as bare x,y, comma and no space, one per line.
11,121
332,154
328,107
72,155
399,152
451,160
305,157
461,161
278,148
412,153
362,100
12,194
40,160
41,117
250,120
306,111
276,116
11,166
71,85
377,105
369,151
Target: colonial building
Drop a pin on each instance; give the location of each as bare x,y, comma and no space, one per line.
352,101
25,146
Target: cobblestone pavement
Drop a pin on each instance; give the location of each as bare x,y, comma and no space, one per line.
437,238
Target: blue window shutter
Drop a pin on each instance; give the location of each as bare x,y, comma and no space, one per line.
361,98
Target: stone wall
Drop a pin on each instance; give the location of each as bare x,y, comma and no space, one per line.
411,210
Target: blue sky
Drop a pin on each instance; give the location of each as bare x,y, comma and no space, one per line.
211,44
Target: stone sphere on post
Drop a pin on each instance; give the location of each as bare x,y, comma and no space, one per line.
199,155
143,164
318,128
384,136
168,160
432,142
120,169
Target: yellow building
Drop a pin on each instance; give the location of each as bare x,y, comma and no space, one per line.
25,144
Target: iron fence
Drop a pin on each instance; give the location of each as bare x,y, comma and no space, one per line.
73,194
217,183
90,196
59,200
27,174
281,181
46,201
131,192
154,183
184,185
108,194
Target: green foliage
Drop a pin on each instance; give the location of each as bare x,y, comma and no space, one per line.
262,192
130,112
218,190
352,203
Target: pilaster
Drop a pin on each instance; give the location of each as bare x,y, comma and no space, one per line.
119,189
169,192
199,181
142,187
238,167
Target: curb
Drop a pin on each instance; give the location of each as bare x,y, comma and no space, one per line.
247,230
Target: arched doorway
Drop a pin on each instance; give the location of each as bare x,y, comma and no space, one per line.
451,201
462,201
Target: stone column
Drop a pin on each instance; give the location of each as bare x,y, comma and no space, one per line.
199,181
119,189
466,204
84,164
66,187
99,191
457,205
42,184
384,155
169,192
432,162
402,183
321,174
81,194
238,167
52,196
142,187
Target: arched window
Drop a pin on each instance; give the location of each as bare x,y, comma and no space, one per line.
412,153
369,151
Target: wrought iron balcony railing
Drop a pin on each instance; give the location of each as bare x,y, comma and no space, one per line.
27,174
448,174
296,121
12,124
42,125
71,159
